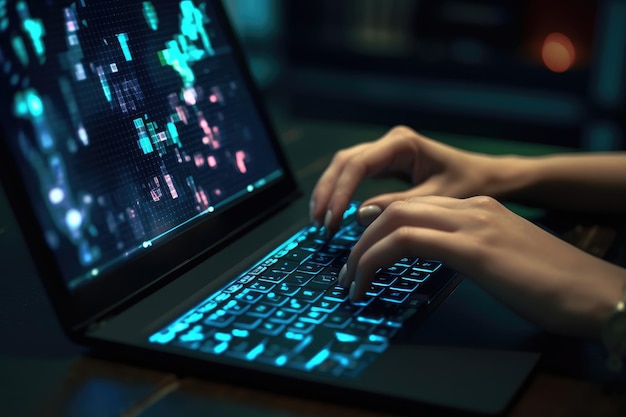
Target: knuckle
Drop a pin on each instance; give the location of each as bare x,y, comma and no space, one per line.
403,236
484,202
401,130
396,209
341,156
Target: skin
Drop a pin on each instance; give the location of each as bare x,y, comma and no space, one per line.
451,212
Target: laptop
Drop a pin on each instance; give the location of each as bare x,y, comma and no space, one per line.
167,226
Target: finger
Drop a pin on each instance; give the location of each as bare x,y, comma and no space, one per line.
405,241
326,184
396,216
372,160
371,208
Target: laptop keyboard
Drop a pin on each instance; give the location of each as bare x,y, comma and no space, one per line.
288,310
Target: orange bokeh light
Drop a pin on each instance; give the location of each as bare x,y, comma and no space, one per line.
558,52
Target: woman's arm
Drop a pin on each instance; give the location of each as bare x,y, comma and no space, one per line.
582,181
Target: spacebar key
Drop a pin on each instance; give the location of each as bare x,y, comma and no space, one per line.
315,352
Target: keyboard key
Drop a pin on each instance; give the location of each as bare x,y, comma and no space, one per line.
282,316
298,279
273,276
219,319
384,280
287,289
295,306
315,317
394,296
249,296
309,296
261,310
374,290
338,320
314,353
427,265
400,316
405,285
321,259
346,343
274,299
236,307
324,306
394,270
337,294
406,262
247,322
246,345
285,265
298,255
417,275
278,350
326,280
310,268
270,328
301,327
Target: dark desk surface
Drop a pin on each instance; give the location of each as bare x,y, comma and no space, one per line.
41,373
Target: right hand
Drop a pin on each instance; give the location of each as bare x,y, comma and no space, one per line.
431,167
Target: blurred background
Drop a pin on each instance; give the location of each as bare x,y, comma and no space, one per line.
542,71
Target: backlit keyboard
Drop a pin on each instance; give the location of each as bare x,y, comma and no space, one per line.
288,310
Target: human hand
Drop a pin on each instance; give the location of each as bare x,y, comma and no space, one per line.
432,167
542,278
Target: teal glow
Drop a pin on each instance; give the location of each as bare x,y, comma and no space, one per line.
240,333
223,337
144,141
255,352
35,105
28,104
171,128
191,25
192,337
104,83
173,57
20,106
36,31
145,145
122,38
4,20
317,359
150,15
20,49
346,337
220,348
181,51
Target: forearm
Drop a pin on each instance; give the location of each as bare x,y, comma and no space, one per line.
584,182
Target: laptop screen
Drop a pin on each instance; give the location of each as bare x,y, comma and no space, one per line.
130,122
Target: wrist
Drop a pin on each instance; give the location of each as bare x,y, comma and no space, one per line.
509,177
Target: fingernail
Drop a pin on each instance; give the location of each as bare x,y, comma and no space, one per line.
327,220
342,275
352,293
368,214
315,222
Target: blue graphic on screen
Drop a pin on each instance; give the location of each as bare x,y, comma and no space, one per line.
127,128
